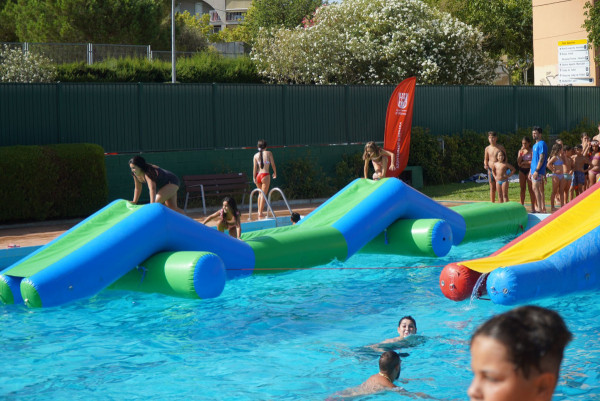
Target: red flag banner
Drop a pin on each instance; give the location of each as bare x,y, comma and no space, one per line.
398,121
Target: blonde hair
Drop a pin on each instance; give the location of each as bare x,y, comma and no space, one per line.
376,151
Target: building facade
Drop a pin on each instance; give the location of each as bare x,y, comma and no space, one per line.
223,13
561,52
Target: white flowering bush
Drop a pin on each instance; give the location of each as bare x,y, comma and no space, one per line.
16,66
375,42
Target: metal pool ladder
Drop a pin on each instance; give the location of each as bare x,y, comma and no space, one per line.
268,200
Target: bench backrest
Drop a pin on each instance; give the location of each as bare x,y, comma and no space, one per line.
216,183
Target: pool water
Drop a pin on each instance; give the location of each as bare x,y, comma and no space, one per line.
292,336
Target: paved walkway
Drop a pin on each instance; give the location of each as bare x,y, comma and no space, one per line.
40,233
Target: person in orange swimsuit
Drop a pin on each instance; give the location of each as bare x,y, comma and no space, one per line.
229,218
261,164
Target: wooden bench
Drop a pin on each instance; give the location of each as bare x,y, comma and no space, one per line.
214,185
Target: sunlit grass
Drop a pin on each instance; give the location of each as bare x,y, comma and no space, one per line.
475,192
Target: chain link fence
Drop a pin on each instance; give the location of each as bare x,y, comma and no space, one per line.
91,53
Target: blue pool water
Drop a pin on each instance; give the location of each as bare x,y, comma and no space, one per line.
291,336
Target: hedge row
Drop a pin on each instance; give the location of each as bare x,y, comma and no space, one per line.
49,182
205,67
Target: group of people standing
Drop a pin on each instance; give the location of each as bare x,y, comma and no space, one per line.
571,170
163,186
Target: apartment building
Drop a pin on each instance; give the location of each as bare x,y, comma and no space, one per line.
223,13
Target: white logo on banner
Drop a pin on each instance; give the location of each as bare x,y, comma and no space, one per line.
402,100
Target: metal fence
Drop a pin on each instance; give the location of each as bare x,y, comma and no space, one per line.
91,53
164,117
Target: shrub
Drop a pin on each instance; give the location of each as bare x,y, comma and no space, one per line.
305,179
17,66
54,181
206,67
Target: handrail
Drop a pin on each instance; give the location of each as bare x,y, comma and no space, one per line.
277,189
268,204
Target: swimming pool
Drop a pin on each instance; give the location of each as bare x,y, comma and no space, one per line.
291,336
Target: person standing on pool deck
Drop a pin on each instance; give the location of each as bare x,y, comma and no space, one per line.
489,159
261,173
538,169
516,356
162,184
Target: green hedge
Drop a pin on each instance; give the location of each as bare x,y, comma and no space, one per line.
206,67
51,182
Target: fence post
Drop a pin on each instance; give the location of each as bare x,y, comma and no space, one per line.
462,108
346,114
58,93
90,54
515,108
25,48
149,51
140,97
283,113
214,114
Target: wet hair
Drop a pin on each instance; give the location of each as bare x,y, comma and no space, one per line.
537,129
534,337
526,139
148,169
233,206
493,133
557,147
388,361
262,145
376,151
408,318
295,217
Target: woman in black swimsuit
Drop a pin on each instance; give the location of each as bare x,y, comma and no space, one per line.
524,163
162,184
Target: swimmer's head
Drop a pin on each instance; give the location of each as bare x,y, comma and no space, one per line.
407,326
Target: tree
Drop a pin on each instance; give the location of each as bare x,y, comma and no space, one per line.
275,14
592,23
375,42
107,21
506,24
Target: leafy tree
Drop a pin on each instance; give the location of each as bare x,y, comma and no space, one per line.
7,25
107,21
275,14
592,23
191,33
506,24
375,42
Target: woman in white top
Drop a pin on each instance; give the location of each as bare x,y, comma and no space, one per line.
262,162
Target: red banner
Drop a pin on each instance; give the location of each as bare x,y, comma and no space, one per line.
398,121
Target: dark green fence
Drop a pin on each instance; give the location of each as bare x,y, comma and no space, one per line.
164,117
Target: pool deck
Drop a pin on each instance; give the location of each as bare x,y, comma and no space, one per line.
40,233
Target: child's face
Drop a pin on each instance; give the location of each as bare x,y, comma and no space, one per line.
495,377
492,139
500,157
406,328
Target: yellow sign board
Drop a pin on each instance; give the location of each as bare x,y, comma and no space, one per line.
572,42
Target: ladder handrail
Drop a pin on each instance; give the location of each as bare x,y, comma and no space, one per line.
268,204
277,189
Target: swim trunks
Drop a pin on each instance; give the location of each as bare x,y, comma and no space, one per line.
259,177
578,178
491,175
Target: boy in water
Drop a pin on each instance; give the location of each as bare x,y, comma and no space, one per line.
517,355
489,159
